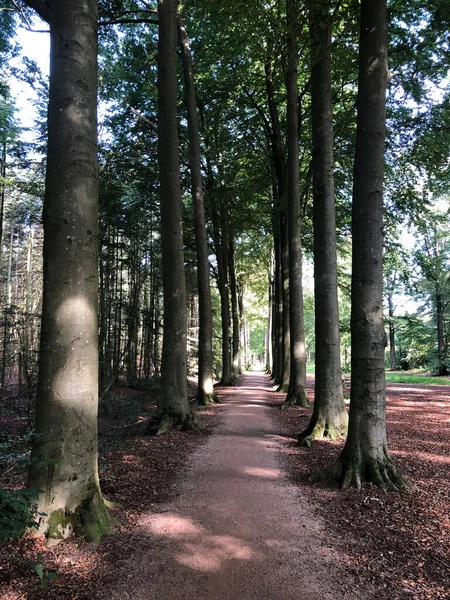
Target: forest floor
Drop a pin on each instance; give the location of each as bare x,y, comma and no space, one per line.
230,514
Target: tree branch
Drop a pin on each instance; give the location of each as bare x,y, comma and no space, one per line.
126,22
40,6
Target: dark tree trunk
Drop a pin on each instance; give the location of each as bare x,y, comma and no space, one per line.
276,297
64,455
205,393
234,312
280,235
443,367
242,364
297,394
270,336
329,416
221,247
392,357
2,194
174,409
285,316
365,456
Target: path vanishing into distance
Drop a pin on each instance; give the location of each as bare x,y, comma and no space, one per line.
238,530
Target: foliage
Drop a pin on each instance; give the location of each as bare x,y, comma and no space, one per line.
16,513
419,379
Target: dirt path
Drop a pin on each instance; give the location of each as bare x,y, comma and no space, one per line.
238,530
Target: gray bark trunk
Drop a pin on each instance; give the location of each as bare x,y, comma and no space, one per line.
174,407
64,455
234,312
443,368
392,357
329,416
221,247
297,394
205,393
365,456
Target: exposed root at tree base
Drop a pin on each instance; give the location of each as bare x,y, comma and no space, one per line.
296,399
90,520
319,431
282,387
207,399
351,473
166,421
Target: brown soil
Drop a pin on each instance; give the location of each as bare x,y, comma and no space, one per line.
233,516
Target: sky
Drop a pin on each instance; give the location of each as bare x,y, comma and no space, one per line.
35,46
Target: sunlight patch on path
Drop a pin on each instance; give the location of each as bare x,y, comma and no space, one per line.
198,548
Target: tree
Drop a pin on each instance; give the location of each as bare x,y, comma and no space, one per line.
64,454
329,416
174,409
433,259
205,393
365,456
297,394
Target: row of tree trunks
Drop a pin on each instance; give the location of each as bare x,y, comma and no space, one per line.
288,340
130,294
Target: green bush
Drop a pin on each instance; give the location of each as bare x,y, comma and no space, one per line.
17,513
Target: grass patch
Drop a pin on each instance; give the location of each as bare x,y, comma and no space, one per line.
420,379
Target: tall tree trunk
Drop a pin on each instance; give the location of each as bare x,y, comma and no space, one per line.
242,365
205,393
297,394
285,317
174,407
270,321
280,234
392,357
2,194
365,456
9,271
221,247
234,312
64,455
443,367
329,416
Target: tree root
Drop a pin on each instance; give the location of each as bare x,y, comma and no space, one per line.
206,399
166,421
296,399
351,473
320,431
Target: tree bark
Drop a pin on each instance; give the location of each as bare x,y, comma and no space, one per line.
297,394
365,456
64,455
443,368
329,416
279,222
392,357
174,409
221,247
205,393
234,313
